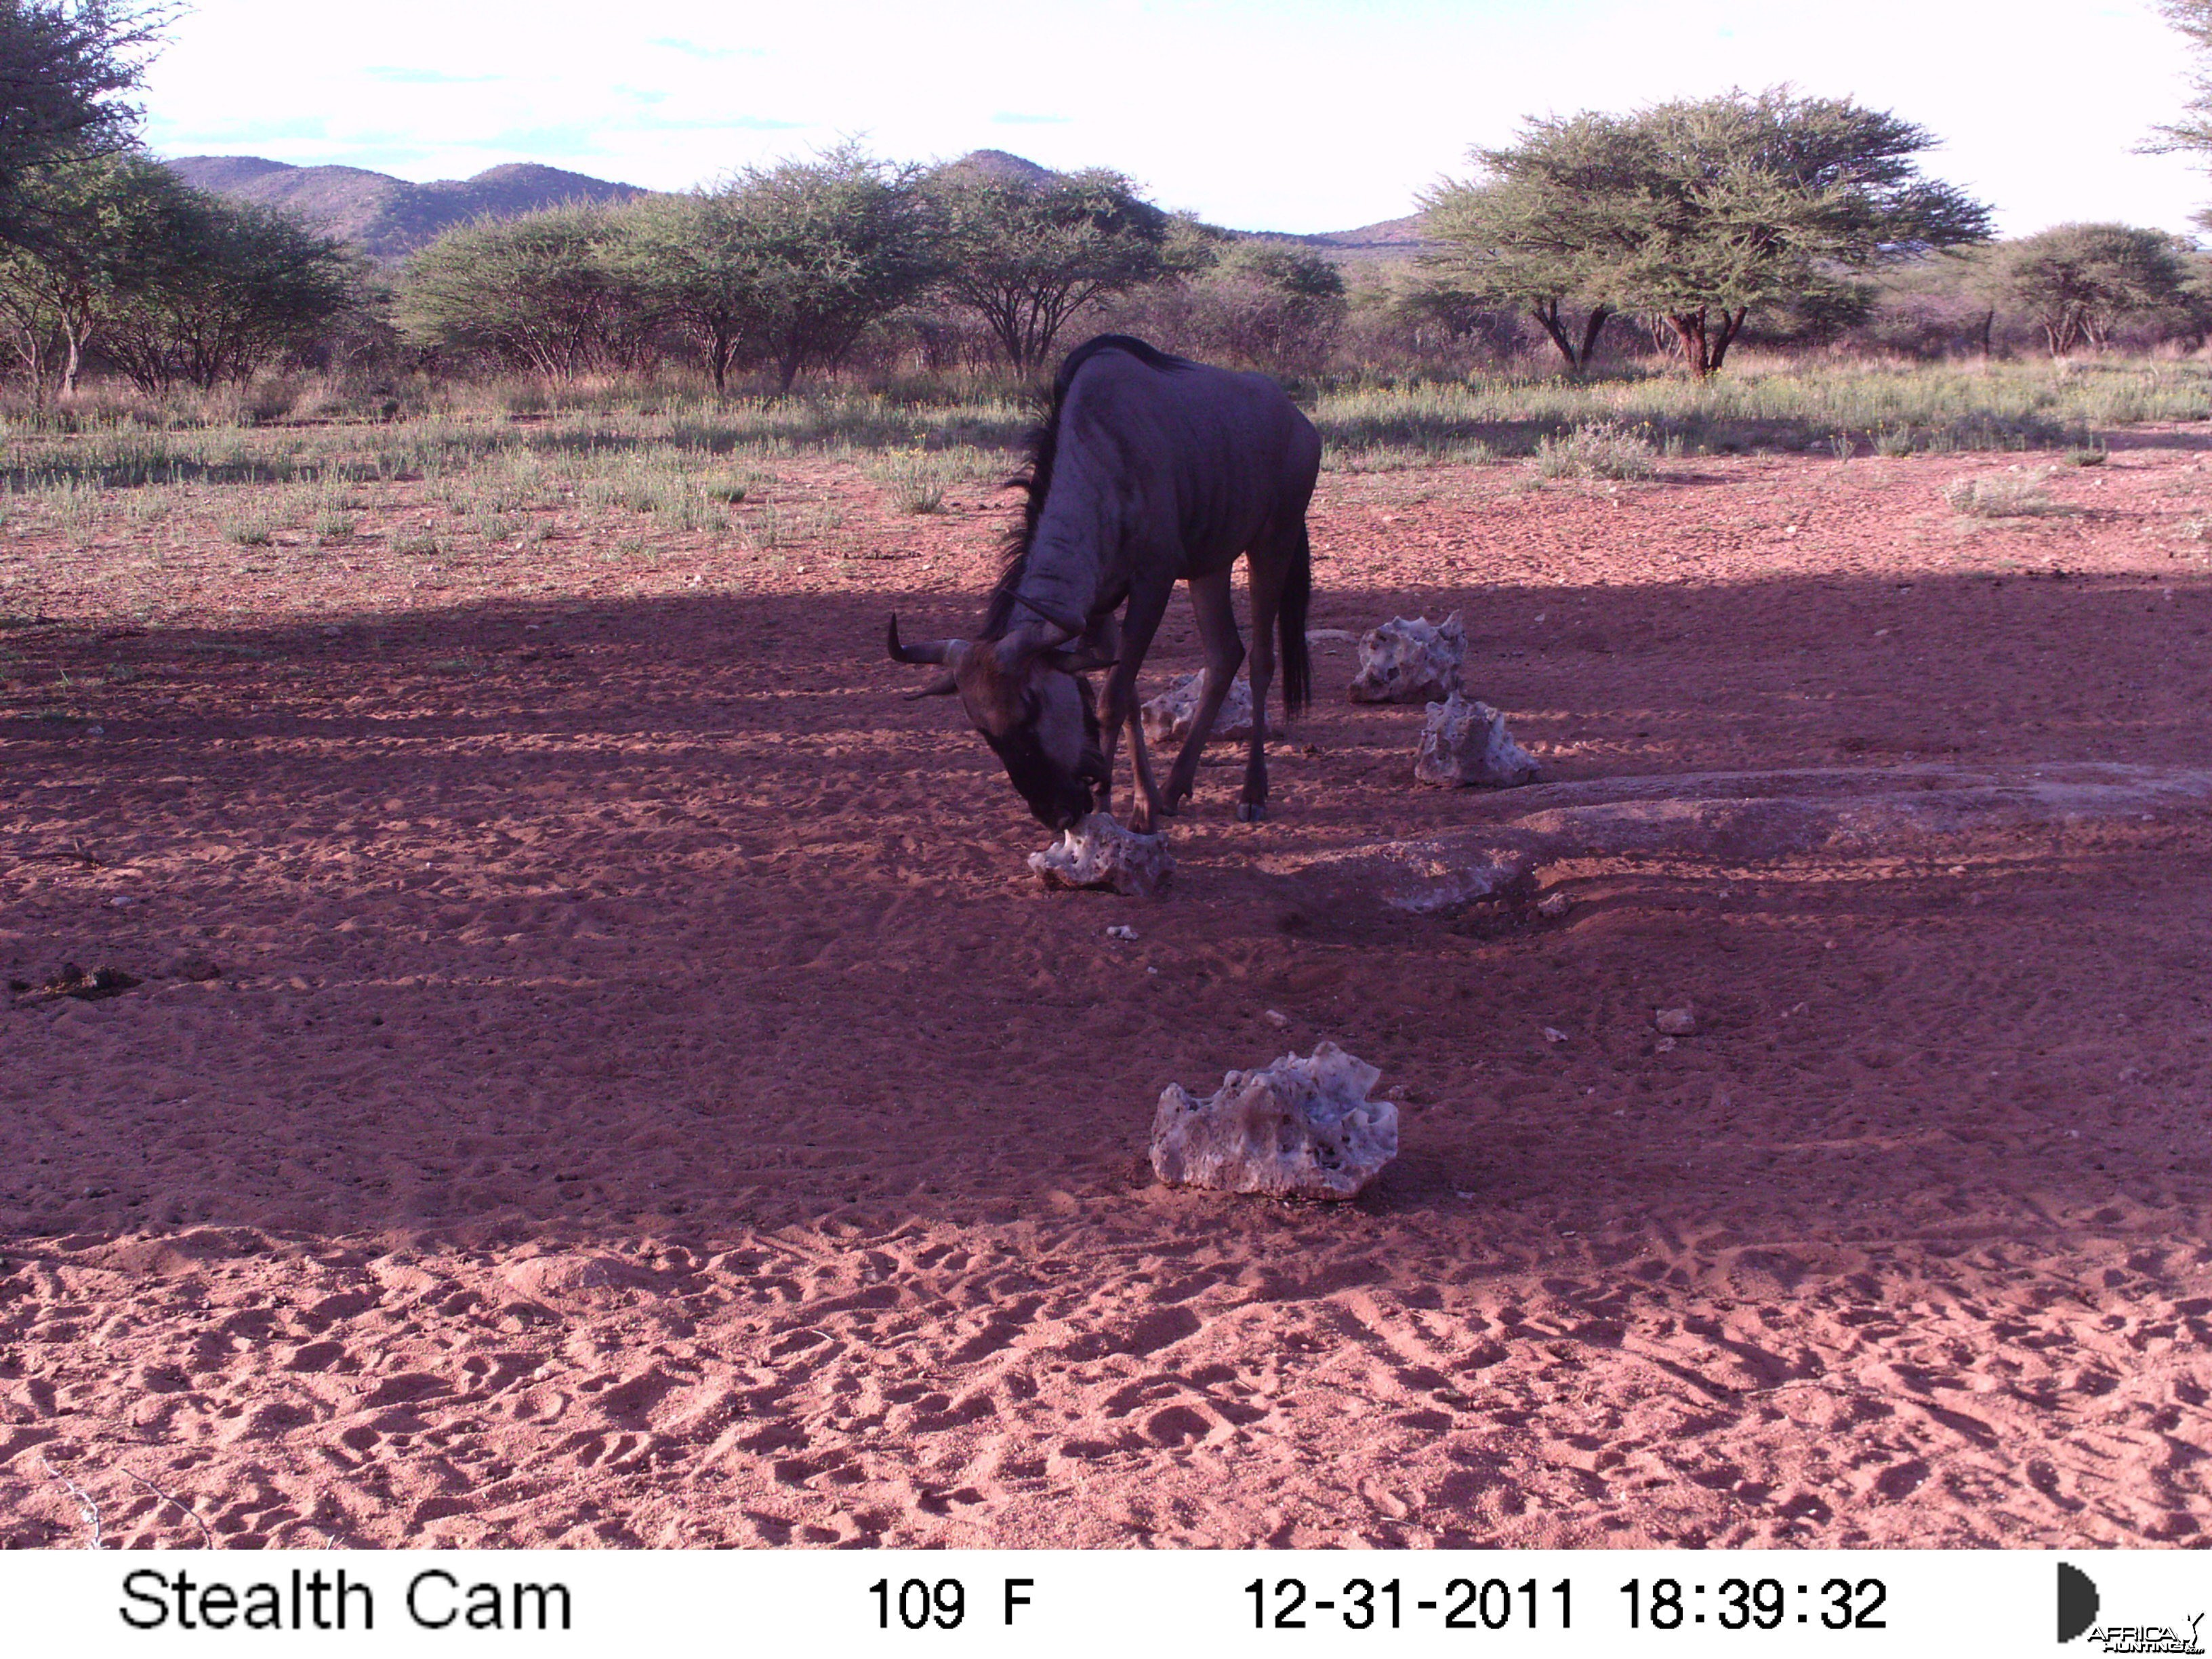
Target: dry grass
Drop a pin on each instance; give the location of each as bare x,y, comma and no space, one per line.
655,470
2014,494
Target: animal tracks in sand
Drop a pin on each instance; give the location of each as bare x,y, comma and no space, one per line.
647,1102
799,1405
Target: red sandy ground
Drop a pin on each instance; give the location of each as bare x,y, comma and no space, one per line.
646,1100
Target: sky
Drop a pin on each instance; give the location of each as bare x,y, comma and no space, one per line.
1293,115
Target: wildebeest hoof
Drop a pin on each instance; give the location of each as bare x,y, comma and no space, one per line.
1251,811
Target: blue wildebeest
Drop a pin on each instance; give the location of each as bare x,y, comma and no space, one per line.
1149,471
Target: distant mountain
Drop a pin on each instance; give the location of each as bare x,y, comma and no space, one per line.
1387,240
1384,239
388,217
999,167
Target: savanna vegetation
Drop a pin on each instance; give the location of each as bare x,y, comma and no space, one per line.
1748,270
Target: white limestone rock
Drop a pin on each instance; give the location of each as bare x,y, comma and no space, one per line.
1410,659
1167,717
1466,743
1099,852
1298,1128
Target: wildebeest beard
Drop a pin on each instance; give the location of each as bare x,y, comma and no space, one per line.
1058,797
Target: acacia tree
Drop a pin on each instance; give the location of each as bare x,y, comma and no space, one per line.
226,288
2193,132
541,292
1278,308
1532,232
1025,254
114,222
66,72
1695,211
833,244
2078,281
693,259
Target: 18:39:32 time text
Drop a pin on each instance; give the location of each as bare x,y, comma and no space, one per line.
1757,1604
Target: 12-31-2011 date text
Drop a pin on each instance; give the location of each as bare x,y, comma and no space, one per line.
1370,1604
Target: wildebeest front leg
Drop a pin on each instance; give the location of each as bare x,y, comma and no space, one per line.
1118,707
1148,786
1216,614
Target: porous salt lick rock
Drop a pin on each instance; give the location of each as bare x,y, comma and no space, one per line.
1466,743
1298,1128
1410,659
1100,853
550,1277
1168,717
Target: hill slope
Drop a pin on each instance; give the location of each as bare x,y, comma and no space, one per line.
390,217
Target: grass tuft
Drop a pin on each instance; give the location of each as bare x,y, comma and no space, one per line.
250,529
1605,450
2002,494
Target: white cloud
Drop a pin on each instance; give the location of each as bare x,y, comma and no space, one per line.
1280,114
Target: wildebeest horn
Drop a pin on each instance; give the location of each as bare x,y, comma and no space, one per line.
937,650
1031,639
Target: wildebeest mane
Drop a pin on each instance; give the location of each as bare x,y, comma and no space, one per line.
1034,480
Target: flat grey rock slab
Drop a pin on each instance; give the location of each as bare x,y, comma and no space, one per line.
1740,818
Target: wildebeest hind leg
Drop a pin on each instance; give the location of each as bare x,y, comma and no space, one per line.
1268,576
1216,614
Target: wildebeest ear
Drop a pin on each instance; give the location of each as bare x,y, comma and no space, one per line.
1099,647
937,651
943,686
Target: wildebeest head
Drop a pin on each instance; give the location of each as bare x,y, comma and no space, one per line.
1028,699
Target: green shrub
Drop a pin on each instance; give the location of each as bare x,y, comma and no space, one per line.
1604,450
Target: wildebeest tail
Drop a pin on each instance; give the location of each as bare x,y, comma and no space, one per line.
1291,626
